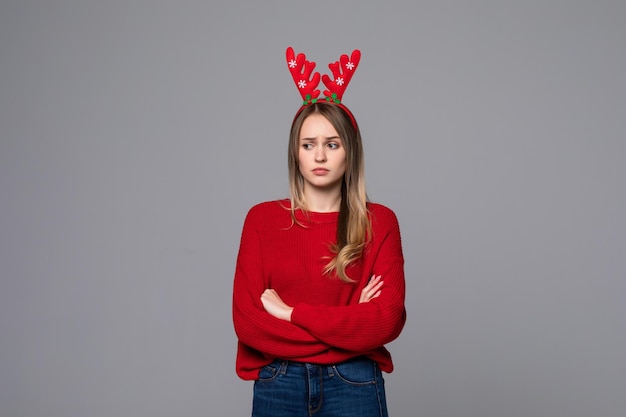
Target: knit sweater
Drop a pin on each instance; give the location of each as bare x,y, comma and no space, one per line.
328,324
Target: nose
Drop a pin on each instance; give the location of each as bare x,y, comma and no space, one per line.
320,154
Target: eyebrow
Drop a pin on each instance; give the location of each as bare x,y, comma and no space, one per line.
326,139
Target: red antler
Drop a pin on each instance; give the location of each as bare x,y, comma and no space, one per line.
300,70
342,75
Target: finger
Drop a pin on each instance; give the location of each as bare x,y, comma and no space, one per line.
374,290
373,285
371,293
373,280
369,297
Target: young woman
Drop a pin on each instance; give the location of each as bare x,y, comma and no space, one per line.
319,282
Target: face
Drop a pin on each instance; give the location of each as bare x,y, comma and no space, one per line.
321,155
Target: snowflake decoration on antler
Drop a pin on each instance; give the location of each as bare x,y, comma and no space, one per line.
336,89
301,70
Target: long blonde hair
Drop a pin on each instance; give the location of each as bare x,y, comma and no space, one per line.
353,226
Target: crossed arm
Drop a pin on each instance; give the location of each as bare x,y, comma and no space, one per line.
275,306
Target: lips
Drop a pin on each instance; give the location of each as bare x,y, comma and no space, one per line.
320,171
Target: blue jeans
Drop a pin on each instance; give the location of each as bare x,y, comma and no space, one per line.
354,388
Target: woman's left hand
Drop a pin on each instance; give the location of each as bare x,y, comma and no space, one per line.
371,290
275,305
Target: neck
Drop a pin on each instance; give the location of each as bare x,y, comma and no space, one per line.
323,200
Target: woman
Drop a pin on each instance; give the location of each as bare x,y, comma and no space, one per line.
319,283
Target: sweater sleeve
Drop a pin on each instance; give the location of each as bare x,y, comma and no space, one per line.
366,326
253,325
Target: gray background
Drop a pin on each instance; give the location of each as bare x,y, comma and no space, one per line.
134,136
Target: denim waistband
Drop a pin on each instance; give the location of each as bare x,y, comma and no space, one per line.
282,365
356,359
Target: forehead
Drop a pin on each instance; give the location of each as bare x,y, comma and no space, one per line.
316,126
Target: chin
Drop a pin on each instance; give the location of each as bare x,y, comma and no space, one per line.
325,185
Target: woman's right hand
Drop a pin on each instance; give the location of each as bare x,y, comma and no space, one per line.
371,290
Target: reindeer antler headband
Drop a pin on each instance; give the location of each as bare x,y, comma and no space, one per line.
307,83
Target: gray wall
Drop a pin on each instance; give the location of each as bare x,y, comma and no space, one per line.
134,136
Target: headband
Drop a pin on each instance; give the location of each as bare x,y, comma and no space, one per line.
307,81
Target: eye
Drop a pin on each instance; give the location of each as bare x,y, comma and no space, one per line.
333,145
307,146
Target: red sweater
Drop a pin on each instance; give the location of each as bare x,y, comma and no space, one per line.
328,324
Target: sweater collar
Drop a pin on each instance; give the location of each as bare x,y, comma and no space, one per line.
313,216
317,217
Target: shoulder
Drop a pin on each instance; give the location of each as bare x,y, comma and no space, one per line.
268,210
382,217
273,205
379,211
